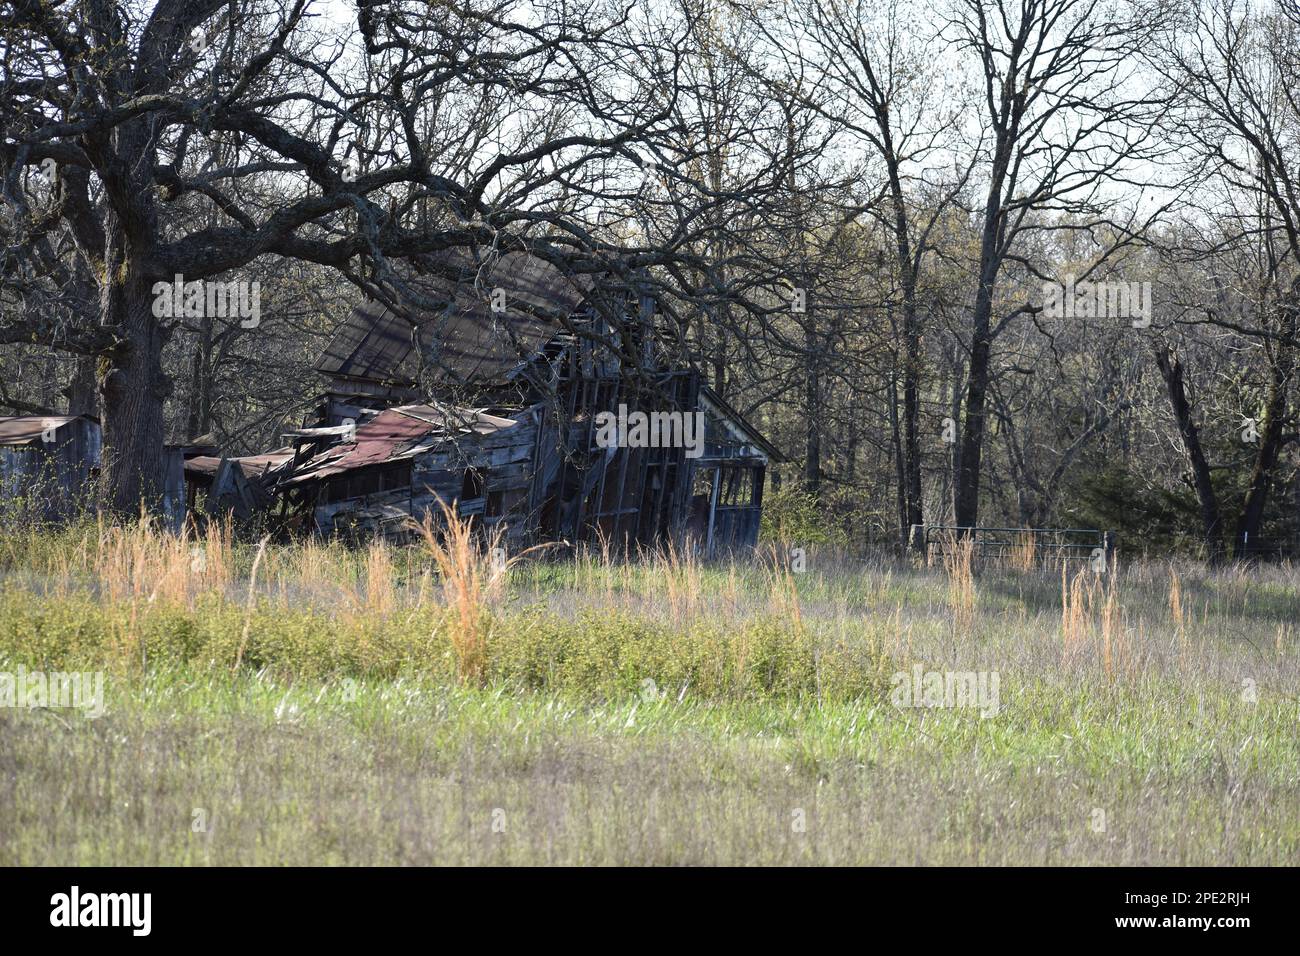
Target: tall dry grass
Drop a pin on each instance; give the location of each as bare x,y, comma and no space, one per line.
677,569
1076,611
1024,553
133,561
1093,620
1176,613
959,569
469,578
783,589
250,604
472,569
449,589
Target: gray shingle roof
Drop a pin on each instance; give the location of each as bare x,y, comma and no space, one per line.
461,338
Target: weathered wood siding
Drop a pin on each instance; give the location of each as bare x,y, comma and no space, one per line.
53,478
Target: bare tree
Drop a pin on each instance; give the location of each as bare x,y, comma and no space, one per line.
451,125
1064,114
1239,120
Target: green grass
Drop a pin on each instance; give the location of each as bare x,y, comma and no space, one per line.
403,772
653,713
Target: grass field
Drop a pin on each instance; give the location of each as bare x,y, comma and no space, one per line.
312,704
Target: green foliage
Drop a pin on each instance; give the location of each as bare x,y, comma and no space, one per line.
604,656
1150,520
794,515
1153,520
596,656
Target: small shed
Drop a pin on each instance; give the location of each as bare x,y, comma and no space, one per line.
48,463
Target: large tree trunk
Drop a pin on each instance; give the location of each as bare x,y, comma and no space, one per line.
82,394
813,405
133,387
912,412
1172,372
199,419
966,487
1270,446
955,389
900,467
910,476
1270,439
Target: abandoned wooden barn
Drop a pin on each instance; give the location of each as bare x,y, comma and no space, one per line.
488,394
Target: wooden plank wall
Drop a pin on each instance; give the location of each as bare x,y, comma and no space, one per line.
55,476
485,476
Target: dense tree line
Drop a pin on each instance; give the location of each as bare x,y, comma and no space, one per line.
1029,263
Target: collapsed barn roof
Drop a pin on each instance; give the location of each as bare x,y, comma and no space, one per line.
391,435
396,434
251,465
456,336
471,319
519,359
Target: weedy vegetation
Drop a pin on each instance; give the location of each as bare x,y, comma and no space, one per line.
445,703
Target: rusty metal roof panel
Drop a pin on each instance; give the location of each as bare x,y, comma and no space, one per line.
251,465
451,418
398,433
379,440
